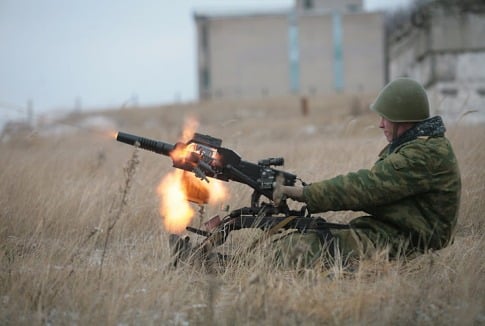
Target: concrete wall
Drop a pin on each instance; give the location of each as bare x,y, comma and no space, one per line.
364,52
461,88
277,54
361,50
316,54
246,56
447,55
423,53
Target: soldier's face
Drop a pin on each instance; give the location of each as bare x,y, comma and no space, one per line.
389,128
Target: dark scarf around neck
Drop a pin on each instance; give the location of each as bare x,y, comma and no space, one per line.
432,127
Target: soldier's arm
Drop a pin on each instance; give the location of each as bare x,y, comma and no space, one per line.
399,175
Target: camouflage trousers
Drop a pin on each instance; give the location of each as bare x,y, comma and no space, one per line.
304,250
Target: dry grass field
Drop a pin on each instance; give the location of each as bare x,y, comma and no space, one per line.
82,243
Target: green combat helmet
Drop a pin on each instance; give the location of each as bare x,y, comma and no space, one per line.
402,100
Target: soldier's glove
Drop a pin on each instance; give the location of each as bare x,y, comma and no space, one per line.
281,192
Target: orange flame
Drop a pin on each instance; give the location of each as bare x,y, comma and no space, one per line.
190,127
111,134
178,188
174,207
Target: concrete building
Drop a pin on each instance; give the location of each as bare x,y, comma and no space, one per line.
315,47
445,50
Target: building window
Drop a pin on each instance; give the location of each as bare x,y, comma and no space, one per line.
204,39
353,7
205,79
307,4
452,92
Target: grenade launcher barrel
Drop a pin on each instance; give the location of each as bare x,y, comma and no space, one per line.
158,147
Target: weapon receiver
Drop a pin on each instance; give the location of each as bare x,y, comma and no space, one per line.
204,156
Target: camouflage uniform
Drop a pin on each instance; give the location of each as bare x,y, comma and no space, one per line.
411,194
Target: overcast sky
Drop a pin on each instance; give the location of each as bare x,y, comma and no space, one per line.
105,53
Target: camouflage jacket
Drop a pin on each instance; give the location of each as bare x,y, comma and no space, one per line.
412,192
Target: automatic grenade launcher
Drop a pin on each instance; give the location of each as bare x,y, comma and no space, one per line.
204,156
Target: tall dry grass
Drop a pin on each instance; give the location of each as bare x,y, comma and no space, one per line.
82,242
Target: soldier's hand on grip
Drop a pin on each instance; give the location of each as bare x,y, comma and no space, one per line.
278,190
281,192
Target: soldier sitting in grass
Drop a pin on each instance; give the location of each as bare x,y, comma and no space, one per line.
411,195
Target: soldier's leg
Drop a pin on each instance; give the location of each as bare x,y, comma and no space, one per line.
301,250
351,244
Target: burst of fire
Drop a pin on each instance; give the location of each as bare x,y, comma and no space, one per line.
111,134
178,188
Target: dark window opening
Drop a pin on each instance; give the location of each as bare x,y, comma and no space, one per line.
205,78
449,91
308,4
204,38
353,7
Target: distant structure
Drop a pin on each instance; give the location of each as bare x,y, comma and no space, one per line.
442,44
315,47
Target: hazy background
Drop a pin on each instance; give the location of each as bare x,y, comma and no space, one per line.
66,55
